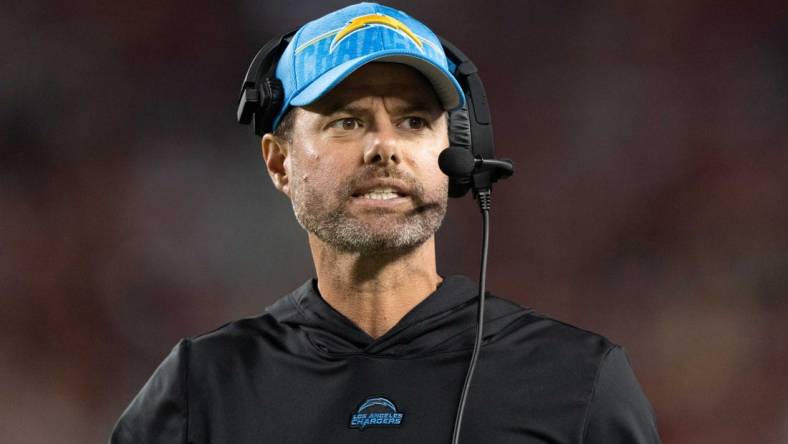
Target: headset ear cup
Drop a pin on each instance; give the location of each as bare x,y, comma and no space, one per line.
460,128
460,136
271,98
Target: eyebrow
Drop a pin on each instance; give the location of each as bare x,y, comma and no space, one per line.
339,107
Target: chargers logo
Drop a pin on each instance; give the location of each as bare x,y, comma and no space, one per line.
360,23
376,412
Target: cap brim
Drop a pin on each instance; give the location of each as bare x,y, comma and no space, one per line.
445,85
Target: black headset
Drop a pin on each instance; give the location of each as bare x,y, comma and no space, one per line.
470,127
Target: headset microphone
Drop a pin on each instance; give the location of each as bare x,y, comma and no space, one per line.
459,163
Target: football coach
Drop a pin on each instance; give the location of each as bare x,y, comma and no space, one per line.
354,110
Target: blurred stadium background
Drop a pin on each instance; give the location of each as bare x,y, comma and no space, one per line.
649,204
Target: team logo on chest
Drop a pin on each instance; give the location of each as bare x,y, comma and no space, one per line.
376,411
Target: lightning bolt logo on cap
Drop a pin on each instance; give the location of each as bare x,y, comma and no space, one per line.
363,22
377,19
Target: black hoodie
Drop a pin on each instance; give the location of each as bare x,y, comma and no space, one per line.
304,373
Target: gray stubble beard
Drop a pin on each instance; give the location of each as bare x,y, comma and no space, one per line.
343,231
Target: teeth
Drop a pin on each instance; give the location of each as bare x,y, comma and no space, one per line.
381,194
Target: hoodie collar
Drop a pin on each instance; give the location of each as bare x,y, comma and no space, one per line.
446,313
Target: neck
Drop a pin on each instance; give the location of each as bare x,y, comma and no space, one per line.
375,291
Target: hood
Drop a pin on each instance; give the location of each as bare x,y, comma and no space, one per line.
444,321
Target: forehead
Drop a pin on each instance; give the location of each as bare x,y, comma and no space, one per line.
391,80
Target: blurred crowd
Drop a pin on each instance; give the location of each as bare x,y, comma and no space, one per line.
649,203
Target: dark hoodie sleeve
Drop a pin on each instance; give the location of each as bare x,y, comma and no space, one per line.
619,411
159,412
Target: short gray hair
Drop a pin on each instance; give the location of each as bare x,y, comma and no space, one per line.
285,129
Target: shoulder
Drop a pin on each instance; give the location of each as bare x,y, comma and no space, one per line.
566,358
234,339
250,347
547,334
553,351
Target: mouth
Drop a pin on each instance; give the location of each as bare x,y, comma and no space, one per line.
382,190
380,193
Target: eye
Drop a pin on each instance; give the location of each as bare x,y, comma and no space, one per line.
345,124
414,123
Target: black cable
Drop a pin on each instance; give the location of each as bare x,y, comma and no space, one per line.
484,204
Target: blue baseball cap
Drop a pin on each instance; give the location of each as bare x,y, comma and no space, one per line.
327,50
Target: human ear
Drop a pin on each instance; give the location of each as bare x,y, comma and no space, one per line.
275,155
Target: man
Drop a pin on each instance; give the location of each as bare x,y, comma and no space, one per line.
375,349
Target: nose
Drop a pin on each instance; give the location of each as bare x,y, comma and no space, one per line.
384,148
